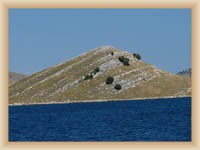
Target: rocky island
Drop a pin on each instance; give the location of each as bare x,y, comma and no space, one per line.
104,73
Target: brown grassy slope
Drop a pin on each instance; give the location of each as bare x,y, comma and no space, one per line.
64,82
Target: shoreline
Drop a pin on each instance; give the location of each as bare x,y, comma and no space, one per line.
90,101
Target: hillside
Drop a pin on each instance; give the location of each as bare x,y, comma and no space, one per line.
65,82
186,72
13,77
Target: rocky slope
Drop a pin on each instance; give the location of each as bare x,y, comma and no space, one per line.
13,77
65,82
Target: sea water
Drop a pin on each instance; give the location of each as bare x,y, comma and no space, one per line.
166,119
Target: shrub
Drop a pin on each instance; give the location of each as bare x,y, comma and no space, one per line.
109,80
121,58
97,69
118,87
124,60
137,56
112,53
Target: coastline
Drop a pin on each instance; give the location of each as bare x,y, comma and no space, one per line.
90,101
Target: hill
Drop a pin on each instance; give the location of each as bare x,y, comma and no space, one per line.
13,77
84,78
186,72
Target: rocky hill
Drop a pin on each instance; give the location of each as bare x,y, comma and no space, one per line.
186,72
13,77
84,78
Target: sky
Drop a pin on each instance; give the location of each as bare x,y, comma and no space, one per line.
41,38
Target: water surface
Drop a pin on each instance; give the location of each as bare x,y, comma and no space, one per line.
139,120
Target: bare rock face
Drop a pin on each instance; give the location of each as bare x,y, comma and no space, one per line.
77,80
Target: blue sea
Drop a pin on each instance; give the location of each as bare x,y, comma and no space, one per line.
167,119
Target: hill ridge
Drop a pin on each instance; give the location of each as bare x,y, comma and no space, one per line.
13,77
67,81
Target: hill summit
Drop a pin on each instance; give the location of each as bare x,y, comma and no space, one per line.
186,72
13,77
104,73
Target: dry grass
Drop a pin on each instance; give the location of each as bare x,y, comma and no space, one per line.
40,87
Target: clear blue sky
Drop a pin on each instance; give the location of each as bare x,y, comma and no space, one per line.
40,38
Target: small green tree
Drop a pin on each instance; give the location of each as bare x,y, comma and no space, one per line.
112,53
118,87
109,80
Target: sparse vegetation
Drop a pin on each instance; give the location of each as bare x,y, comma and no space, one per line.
97,69
91,74
109,80
121,58
78,80
124,60
126,63
118,87
137,56
88,77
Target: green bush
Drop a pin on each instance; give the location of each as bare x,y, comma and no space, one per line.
118,87
137,56
109,80
124,60
112,53
121,58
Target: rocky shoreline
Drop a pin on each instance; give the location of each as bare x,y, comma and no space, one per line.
90,101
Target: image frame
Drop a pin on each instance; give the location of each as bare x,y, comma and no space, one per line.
4,7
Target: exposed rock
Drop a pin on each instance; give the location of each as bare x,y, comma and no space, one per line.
66,81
